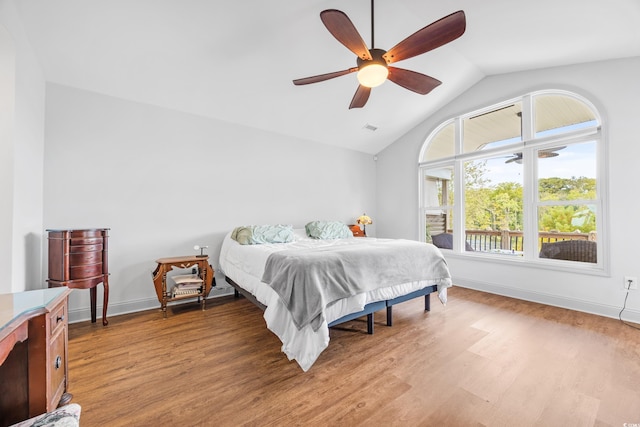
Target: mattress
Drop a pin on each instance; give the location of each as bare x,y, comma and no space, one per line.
245,265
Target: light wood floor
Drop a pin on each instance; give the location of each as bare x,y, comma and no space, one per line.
481,360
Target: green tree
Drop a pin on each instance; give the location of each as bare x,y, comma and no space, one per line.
506,200
474,174
567,188
500,207
477,195
567,218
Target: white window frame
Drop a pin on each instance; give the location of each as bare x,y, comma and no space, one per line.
529,145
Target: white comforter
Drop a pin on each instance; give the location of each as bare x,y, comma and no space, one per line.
245,264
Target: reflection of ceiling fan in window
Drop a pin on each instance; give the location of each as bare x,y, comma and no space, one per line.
542,154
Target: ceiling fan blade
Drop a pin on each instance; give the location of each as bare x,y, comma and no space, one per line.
550,152
430,37
419,83
361,97
516,158
341,27
323,77
542,154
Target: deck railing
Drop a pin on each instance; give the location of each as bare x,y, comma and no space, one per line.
502,240
487,240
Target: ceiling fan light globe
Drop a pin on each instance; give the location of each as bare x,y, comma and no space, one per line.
372,75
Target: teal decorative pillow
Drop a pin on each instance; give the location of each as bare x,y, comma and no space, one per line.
260,234
328,230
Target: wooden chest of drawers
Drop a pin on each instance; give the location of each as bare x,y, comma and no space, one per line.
79,259
33,353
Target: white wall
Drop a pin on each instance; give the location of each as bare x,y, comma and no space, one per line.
21,152
7,104
164,181
614,88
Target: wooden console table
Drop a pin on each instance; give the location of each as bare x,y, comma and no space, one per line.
34,373
167,264
79,259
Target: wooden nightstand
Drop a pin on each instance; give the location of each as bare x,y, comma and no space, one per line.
356,230
167,264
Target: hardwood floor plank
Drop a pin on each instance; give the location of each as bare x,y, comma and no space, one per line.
473,413
569,408
481,360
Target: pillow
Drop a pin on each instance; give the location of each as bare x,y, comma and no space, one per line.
242,235
445,241
260,234
328,230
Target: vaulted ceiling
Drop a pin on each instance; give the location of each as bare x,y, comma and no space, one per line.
235,60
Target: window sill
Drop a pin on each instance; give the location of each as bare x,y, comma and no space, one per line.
524,261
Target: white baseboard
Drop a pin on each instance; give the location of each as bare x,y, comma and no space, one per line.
553,300
116,309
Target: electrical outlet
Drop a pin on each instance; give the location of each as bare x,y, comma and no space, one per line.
630,283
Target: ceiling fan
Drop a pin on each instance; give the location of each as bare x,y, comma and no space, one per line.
373,64
542,154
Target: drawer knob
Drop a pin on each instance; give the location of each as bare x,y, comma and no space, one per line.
59,319
58,362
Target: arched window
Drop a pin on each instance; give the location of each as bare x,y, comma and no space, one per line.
521,180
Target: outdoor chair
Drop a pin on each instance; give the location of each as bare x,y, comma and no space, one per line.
571,250
445,241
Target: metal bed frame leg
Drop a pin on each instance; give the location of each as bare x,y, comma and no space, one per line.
370,323
389,315
427,302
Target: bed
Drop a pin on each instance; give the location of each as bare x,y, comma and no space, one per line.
301,287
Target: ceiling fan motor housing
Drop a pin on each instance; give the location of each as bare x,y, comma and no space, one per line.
373,72
376,58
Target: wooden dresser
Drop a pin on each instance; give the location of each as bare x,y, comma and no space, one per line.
33,353
78,259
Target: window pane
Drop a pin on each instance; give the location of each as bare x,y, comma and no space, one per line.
493,129
567,172
438,199
442,145
558,113
494,205
568,232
